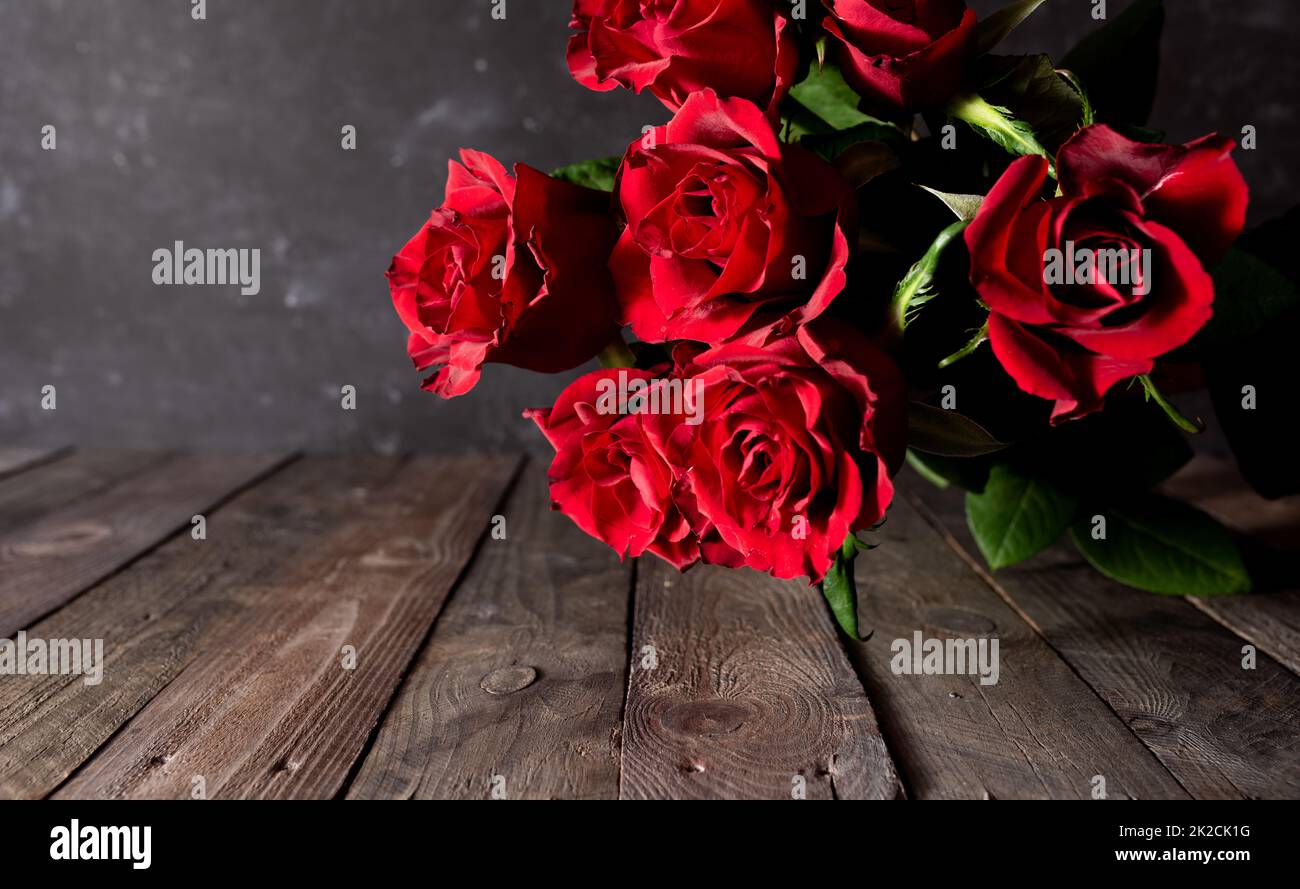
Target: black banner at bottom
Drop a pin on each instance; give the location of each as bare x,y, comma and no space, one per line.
140,839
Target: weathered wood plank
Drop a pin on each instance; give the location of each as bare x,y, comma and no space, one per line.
158,614
1218,488
16,460
50,560
522,683
1270,618
740,689
28,496
1171,673
1039,732
269,707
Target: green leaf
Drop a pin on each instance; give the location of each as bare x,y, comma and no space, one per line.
991,31
597,173
1162,546
1000,126
833,145
841,590
947,433
965,206
1089,116
824,103
1248,294
864,161
1037,94
1118,63
1017,516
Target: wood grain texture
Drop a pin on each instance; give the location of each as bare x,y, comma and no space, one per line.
16,460
156,616
740,689
1173,674
524,677
1039,732
1270,617
1216,486
49,561
28,496
224,654
269,707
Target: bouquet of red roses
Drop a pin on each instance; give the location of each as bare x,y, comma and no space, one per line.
862,237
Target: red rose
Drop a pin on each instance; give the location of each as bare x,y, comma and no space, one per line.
510,270
797,444
902,55
728,228
1070,342
609,474
678,47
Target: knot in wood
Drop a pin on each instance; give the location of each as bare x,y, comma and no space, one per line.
508,680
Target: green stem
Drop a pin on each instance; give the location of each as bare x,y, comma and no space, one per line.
913,290
1189,426
617,354
919,465
976,341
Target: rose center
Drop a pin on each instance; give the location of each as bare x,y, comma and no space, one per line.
708,208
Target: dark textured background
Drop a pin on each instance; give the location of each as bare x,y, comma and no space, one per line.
225,133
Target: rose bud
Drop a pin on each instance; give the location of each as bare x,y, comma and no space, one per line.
728,229
797,446
902,55
740,48
609,474
510,269
1148,219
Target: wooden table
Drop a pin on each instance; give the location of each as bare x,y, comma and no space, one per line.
353,627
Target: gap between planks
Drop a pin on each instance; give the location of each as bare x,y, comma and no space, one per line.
1039,732
76,521
698,703
1172,674
16,460
1270,618
517,693
266,706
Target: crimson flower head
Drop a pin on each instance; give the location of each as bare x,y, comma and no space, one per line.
1157,216
510,269
728,228
674,48
902,55
776,452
